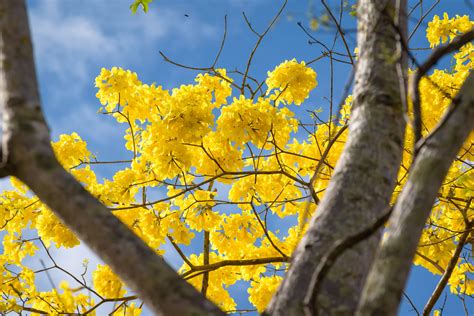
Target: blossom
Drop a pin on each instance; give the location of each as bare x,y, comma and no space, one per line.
293,81
439,30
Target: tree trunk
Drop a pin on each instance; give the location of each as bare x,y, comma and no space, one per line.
365,175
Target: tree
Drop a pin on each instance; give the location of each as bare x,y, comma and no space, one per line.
176,143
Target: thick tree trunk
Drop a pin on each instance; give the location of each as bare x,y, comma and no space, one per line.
27,154
365,175
387,278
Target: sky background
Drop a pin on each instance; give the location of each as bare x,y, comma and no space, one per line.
74,39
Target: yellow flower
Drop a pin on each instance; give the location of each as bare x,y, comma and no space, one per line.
71,150
314,24
262,290
292,81
107,283
50,228
440,30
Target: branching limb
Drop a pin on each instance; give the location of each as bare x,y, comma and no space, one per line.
232,262
339,29
28,153
393,262
422,70
257,44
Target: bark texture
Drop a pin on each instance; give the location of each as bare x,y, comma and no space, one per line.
365,175
387,277
27,154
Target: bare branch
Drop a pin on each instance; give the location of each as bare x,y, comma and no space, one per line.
27,150
339,29
232,262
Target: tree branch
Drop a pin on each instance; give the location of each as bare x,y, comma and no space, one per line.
27,151
450,268
432,60
394,259
369,163
233,262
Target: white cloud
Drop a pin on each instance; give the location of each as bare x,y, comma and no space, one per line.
73,40
66,43
64,50
72,260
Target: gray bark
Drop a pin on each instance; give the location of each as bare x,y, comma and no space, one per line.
365,175
387,277
27,154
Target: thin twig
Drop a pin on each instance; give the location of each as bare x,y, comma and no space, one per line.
449,269
339,29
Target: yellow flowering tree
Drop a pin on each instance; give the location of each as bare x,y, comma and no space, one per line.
230,174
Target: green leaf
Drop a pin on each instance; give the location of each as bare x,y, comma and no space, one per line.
143,3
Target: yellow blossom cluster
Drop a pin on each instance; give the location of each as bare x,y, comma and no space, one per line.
440,30
221,169
291,82
106,283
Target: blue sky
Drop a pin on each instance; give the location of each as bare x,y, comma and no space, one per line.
73,39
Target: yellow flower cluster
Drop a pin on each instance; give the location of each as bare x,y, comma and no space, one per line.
440,30
106,283
71,150
206,163
292,82
258,123
262,290
50,229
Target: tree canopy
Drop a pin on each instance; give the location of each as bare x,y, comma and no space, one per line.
241,182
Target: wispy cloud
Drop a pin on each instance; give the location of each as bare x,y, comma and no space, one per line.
73,41
64,46
65,42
